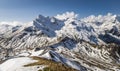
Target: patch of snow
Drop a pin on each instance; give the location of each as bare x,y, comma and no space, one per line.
23,54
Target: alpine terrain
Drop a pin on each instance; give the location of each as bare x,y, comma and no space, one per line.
61,43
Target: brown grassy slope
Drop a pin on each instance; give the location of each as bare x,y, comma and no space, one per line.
52,66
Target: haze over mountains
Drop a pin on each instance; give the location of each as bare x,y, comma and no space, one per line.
88,44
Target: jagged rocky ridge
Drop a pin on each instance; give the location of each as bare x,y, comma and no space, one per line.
88,44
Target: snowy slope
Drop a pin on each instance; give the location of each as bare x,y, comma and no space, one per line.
17,64
91,43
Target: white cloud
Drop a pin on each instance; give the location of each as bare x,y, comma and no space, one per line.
66,15
13,23
100,18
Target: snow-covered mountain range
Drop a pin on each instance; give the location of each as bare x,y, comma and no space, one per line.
88,44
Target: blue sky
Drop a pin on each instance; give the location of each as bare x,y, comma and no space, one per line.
27,10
